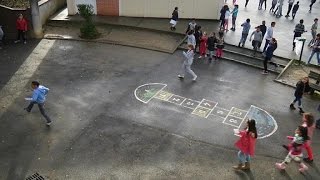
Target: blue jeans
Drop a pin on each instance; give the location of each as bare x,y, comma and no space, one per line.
311,56
243,157
297,99
243,38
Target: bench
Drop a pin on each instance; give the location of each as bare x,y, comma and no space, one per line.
314,86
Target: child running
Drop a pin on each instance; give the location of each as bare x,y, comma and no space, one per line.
295,149
186,66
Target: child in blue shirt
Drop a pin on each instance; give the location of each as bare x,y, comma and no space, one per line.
39,97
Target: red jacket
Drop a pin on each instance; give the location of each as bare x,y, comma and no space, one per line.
22,24
246,143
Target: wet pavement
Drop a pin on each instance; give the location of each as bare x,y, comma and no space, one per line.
102,131
283,31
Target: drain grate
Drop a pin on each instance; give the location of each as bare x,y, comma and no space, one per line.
35,176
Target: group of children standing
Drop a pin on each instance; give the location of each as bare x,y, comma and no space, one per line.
200,40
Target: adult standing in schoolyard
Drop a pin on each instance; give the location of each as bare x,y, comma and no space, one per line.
278,11
174,19
273,5
39,97
315,49
269,35
295,9
298,31
314,29
257,39
245,31
312,2
263,28
261,4
272,46
290,4
186,66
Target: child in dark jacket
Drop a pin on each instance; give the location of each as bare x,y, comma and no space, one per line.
295,9
212,40
302,87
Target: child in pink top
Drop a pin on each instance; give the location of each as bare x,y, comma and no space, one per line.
246,145
295,149
308,121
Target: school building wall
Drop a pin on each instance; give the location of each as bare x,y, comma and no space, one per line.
200,9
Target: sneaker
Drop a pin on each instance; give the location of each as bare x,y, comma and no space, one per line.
195,78
287,16
205,56
25,42
199,57
292,107
303,167
265,72
276,65
308,160
49,123
26,109
280,166
17,41
180,76
301,111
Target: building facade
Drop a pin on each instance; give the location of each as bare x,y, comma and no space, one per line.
199,9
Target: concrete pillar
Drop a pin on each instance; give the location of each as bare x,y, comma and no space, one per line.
71,5
36,21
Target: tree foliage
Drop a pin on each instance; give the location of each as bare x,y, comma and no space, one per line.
88,29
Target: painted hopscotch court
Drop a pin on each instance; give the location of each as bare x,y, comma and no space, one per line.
235,117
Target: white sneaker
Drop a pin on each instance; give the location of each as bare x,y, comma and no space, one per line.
16,41
199,57
49,123
195,78
180,76
205,56
25,42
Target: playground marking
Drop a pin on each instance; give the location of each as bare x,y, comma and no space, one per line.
266,124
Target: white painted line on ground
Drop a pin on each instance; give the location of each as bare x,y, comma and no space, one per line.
211,109
135,91
197,106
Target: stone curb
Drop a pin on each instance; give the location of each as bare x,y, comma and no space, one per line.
59,37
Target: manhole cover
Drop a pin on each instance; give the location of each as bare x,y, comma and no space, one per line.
35,176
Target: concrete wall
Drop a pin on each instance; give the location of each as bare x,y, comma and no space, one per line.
200,9
49,7
72,5
8,16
